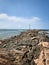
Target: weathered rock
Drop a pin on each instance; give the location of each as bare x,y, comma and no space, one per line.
23,49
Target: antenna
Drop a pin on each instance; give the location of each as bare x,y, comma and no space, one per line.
29,26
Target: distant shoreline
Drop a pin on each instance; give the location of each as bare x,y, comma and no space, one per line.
26,29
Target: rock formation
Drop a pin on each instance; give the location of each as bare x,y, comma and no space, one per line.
23,49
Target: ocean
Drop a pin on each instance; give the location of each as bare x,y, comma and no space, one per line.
7,33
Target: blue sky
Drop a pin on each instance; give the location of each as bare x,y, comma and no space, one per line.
16,14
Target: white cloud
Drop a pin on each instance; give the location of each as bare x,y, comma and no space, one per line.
6,20
18,19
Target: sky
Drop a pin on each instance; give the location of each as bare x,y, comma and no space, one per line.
19,14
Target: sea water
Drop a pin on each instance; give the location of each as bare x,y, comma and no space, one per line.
6,33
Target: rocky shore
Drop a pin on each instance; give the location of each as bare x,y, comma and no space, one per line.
23,49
